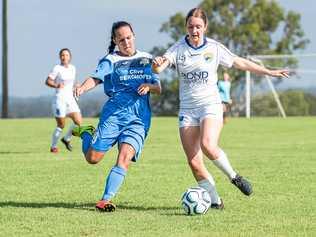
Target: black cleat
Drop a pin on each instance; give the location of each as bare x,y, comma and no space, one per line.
243,184
218,206
67,144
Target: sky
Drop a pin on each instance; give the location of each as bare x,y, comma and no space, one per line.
39,28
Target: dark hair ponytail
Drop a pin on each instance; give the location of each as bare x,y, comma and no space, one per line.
115,26
112,46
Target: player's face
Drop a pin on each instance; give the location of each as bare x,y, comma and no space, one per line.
65,57
196,29
125,41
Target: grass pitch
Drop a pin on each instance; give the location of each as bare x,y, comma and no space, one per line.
43,194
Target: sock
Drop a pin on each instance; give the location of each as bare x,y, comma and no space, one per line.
56,135
113,182
209,185
223,164
68,135
86,142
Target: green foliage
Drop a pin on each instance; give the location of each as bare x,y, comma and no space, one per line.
45,194
294,102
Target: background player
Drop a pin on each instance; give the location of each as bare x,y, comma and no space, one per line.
62,78
196,59
224,91
125,119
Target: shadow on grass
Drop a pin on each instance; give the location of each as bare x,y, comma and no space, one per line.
14,152
83,206
90,206
146,208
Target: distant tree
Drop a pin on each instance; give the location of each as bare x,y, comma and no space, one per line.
247,27
5,96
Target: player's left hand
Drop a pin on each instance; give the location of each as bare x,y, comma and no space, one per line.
279,73
143,89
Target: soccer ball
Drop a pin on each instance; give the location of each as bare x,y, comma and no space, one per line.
196,201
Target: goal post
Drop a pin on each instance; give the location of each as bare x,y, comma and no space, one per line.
302,68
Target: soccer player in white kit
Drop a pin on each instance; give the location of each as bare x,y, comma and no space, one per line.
196,59
62,78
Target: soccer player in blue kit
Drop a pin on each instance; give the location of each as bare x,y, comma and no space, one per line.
224,92
127,78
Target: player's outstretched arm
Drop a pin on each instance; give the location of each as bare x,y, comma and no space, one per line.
87,85
247,65
159,64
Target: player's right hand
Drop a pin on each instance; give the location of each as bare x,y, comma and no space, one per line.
78,91
158,61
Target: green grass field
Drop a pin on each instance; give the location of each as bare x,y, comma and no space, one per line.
43,194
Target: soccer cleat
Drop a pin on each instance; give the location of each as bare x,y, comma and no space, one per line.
67,144
218,206
77,131
243,184
105,206
54,150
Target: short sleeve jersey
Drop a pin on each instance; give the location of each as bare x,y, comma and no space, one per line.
121,77
65,75
197,69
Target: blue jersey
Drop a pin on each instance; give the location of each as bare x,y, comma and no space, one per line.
224,90
121,77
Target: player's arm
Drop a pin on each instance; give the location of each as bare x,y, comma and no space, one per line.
87,85
160,64
52,83
143,89
247,65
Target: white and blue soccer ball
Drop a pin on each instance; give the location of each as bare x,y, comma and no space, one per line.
196,201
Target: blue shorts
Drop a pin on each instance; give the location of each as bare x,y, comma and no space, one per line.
120,127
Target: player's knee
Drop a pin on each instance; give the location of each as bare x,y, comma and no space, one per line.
209,148
92,159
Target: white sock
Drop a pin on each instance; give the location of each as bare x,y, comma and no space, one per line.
56,135
223,164
68,135
209,185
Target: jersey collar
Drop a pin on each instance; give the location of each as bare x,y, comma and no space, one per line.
192,47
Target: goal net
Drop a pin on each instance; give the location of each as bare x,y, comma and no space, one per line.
266,96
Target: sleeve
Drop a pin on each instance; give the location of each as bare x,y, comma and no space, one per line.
53,74
171,54
155,79
226,58
104,68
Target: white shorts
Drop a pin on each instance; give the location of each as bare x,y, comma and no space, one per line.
193,117
62,106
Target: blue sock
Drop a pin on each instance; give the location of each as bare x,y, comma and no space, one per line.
113,182
86,142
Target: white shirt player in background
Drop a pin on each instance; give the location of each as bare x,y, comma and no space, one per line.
62,79
196,59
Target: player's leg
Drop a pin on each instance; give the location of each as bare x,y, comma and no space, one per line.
73,112
116,177
59,111
210,132
76,121
190,138
131,140
57,133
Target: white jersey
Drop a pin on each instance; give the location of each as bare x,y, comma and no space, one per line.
65,75
197,69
